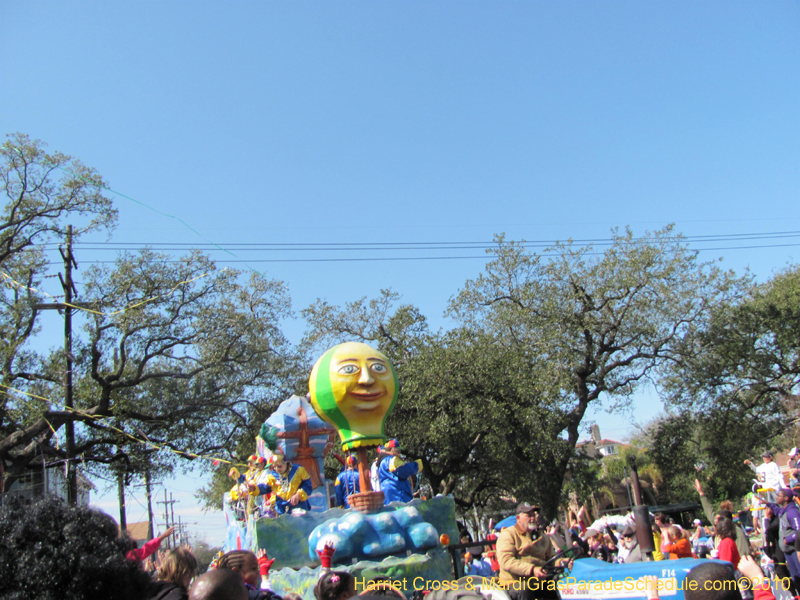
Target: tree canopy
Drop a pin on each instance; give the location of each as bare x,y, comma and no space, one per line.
178,358
734,389
749,347
496,404
175,354
43,191
595,326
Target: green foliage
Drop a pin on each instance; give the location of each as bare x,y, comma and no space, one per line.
602,324
210,495
735,386
676,451
494,406
582,478
180,354
458,407
711,446
748,348
204,553
594,327
399,332
331,466
43,192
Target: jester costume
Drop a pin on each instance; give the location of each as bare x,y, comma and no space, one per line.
284,486
347,482
394,474
239,492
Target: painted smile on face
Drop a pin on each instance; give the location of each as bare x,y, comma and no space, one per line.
353,387
364,382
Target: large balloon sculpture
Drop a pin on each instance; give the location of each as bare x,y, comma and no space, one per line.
353,387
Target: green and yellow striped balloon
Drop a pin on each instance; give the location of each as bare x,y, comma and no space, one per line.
353,387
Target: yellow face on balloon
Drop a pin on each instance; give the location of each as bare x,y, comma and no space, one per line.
353,387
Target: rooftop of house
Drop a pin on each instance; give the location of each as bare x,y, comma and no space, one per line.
604,442
137,531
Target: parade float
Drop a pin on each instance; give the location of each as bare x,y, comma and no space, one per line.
352,389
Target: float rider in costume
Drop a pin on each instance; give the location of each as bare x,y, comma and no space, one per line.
243,478
290,485
239,490
261,504
347,482
394,474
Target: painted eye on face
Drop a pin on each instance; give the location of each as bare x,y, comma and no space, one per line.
348,369
378,368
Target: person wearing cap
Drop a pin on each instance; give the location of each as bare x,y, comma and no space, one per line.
239,491
247,476
394,474
521,557
262,504
477,565
629,550
347,482
597,545
290,485
255,469
789,525
768,474
699,539
792,462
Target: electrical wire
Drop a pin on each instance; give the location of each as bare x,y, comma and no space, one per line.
418,258
431,246
427,245
223,248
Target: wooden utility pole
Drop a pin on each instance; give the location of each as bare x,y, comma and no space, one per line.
167,510
123,520
66,306
149,502
66,283
172,514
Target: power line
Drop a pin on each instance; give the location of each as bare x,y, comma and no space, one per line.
225,250
418,258
426,245
269,247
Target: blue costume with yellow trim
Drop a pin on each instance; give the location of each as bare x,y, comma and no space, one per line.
347,482
296,479
394,474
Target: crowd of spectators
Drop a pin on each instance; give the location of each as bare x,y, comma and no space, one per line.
50,550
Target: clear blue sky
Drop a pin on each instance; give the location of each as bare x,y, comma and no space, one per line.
322,122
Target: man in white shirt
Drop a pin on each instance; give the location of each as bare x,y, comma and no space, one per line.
769,475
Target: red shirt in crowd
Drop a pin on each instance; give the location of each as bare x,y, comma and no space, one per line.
728,551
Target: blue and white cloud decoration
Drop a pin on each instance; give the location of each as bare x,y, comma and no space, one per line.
369,537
